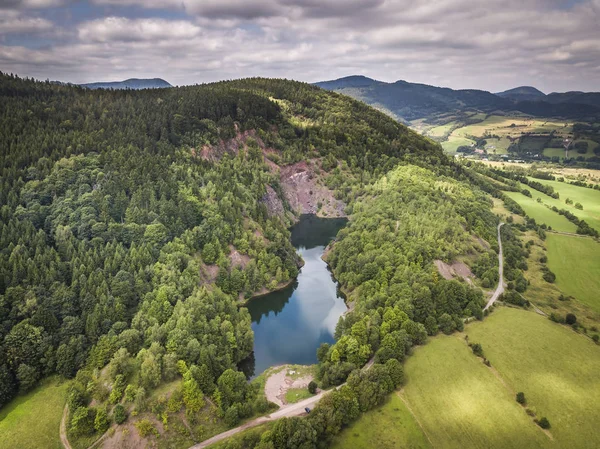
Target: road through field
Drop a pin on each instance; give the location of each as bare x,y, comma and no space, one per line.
500,288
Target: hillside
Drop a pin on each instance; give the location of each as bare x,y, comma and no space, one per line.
522,93
411,101
131,83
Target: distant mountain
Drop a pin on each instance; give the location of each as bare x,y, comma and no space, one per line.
131,83
410,101
349,81
522,93
589,98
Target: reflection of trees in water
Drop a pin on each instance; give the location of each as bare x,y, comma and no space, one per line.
248,366
313,231
273,302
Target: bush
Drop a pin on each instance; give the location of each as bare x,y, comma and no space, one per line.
596,338
477,349
101,422
521,398
119,414
82,421
145,428
543,423
312,387
570,319
549,276
232,416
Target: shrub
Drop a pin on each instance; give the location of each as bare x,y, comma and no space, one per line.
145,428
596,338
101,422
82,421
521,398
312,387
549,276
477,349
232,416
543,423
119,414
570,319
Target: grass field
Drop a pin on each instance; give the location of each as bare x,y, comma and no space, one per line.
32,421
556,368
540,213
576,263
454,142
441,131
589,198
461,403
387,427
294,395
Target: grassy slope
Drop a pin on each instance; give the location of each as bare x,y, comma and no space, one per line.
386,427
555,367
461,404
589,198
576,263
540,213
32,421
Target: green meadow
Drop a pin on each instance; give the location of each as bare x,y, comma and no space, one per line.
32,420
588,198
556,368
461,403
576,263
387,427
540,213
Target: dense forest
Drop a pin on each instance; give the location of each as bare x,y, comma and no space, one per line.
111,213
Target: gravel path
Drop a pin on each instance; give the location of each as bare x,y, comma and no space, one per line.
500,288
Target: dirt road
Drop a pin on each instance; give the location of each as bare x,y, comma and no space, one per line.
287,411
500,288
63,428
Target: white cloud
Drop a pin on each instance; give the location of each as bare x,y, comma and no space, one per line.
459,43
122,29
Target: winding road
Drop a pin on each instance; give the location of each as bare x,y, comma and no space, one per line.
500,288
286,411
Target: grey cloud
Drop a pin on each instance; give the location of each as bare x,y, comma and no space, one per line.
460,43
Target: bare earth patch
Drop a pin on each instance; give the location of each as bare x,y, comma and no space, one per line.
457,269
283,380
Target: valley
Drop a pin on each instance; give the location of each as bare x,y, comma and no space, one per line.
266,264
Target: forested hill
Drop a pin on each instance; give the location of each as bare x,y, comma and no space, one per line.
110,217
131,83
410,101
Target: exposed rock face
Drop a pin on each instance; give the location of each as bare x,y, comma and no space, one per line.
273,202
305,193
301,182
457,269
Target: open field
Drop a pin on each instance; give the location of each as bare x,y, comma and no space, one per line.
32,421
589,198
540,213
545,295
387,427
556,368
576,263
453,142
461,403
500,210
441,131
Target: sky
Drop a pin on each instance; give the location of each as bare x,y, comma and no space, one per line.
493,45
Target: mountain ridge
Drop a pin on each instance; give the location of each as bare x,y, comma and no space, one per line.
130,83
407,101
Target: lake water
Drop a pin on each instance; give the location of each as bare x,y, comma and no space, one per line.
290,324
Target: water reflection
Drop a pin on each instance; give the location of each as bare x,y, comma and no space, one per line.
289,325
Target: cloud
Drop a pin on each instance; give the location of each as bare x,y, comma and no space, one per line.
30,4
459,43
20,25
122,29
